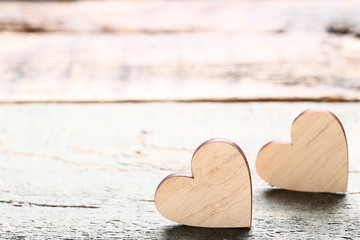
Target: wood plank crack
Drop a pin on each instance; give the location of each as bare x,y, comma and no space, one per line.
22,204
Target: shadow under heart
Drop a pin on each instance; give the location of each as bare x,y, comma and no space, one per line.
186,232
287,200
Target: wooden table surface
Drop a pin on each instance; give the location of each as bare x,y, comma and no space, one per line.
89,171
81,160
118,51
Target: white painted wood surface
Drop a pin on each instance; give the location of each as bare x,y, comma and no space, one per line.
87,171
95,51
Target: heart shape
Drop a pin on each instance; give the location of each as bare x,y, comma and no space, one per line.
315,161
218,194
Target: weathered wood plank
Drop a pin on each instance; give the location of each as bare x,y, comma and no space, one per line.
58,161
166,17
143,68
177,50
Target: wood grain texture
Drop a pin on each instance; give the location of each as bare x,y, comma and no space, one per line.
217,195
113,156
316,160
113,51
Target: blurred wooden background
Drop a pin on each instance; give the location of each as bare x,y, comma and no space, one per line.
90,51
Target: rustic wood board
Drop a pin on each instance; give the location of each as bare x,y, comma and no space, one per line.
93,51
89,171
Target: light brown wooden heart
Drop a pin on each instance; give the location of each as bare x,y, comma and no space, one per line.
315,161
217,195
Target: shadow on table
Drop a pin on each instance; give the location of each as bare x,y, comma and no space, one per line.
305,200
185,232
285,201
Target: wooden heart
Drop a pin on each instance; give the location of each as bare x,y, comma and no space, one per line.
218,194
315,161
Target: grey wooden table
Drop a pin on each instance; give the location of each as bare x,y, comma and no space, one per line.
89,171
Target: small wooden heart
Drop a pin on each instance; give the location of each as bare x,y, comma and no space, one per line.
315,161
218,194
